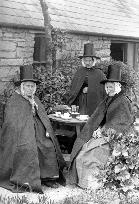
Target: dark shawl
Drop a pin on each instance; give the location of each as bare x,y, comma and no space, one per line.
18,149
117,114
96,92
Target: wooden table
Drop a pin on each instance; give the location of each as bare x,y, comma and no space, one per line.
78,124
72,122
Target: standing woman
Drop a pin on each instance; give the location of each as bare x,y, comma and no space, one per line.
86,90
90,149
29,152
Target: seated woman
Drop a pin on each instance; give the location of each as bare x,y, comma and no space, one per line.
90,149
29,152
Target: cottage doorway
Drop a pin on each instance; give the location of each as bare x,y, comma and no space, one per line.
119,51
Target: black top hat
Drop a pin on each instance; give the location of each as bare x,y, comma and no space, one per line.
113,75
89,51
26,74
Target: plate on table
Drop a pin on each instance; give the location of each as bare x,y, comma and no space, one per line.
82,117
65,117
57,114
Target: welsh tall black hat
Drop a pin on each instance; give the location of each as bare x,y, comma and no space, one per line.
113,75
89,51
26,74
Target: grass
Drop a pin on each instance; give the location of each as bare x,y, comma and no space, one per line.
102,196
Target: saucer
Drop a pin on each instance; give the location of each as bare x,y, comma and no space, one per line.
82,118
66,118
58,116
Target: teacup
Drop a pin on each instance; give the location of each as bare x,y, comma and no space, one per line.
83,117
58,114
66,115
74,114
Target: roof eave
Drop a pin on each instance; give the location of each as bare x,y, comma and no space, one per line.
21,26
129,38
42,29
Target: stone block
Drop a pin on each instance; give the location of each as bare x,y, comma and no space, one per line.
58,55
2,86
29,37
103,53
28,60
19,35
30,43
8,35
93,38
24,53
1,33
68,46
26,44
21,44
4,54
84,37
7,46
105,58
4,71
106,45
11,62
8,72
28,54
19,40
73,46
29,49
20,52
98,44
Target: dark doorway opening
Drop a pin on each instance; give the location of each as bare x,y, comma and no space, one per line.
119,51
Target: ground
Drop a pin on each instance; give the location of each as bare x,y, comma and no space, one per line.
56,195
67,195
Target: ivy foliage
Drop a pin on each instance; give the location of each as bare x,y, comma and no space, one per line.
55,85
122,169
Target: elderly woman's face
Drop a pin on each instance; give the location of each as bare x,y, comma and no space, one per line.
89,61
110,88
29,88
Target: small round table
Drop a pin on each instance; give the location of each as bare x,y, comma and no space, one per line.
72,122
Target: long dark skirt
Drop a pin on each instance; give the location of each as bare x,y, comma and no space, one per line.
88,161
46,152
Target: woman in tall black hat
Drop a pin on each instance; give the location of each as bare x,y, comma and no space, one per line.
29,152
90,149
86,90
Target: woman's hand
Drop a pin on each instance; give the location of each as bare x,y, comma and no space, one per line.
85,89
47,134
97,133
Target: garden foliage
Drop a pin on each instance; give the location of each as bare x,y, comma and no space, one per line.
122,169
55,85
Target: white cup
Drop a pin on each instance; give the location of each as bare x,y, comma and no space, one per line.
66,115
83,117
58,114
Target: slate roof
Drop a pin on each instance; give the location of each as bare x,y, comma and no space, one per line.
21,13
108,17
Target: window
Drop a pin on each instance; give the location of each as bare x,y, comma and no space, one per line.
119,51
126,52
39,55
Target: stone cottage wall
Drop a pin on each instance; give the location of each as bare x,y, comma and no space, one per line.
16,48
70,46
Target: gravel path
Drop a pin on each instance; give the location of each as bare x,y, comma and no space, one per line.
58,194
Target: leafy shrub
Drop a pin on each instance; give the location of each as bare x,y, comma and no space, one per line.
55,86
122,169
